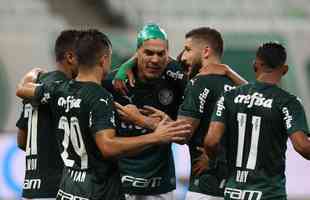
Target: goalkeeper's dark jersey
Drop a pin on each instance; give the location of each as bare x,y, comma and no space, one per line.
258,118
151,171
81,110
43,162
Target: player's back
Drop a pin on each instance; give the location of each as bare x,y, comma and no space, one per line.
201,95
82,109
43,162
258,123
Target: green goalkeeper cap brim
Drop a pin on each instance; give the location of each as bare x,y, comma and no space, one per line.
151,31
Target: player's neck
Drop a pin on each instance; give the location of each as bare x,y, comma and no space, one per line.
65,69
89,76
211,60
269,78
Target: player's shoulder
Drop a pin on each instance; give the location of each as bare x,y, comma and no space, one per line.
51,76
174,70
209,80
285,97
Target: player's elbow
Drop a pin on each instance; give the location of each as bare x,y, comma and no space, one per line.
107,152
303,149
301,144
21,146
19,91
106,145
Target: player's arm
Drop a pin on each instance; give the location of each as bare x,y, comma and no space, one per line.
22,125
27,86
22,138
196,98
147,117
103,125
301,143
213,138
216,128
222,69
295,121
111,145
123,73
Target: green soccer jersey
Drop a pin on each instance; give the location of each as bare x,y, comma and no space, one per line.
43,163
200,97
81,109
151,171
258,118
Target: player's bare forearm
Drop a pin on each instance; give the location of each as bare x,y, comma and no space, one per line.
22,139
192,121
213,138
235,77
114,146
301,144
26,90
147,122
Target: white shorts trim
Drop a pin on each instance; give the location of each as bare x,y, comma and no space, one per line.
199,196
39,199
165,196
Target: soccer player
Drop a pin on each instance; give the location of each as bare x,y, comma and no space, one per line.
259,118
198,41
151,173
36,135
86,125
203,46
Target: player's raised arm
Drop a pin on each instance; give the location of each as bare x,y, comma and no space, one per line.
223,69
26,87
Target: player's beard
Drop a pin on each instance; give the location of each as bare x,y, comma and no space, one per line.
194,71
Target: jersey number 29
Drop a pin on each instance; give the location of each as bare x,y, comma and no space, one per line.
72,132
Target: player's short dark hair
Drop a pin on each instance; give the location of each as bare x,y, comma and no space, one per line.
91,46
209,35
273,54
65,42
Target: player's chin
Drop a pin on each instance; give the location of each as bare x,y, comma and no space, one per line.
153,75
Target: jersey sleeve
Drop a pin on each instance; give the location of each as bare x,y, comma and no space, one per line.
219,113
44,93
195,99
22,122
294,117
102,115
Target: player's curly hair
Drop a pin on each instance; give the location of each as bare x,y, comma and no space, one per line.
91,46
273,54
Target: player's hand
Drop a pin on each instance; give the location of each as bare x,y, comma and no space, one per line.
131,77
32,75
120,86
128,113
154,113
214,69
201,164
176,131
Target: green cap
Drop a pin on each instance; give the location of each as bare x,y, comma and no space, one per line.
151,31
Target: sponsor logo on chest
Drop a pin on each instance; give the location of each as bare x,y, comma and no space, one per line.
69,103
256,99
165,96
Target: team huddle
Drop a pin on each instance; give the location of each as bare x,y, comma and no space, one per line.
92,134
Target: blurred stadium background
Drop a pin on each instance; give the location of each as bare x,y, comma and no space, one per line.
28,29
